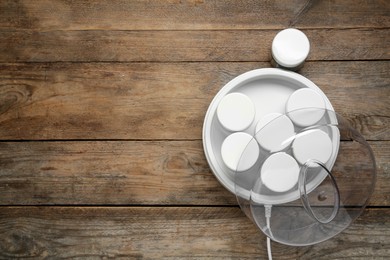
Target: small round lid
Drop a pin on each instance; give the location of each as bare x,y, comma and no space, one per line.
304,98
239,146
312,144
236,112
312,188
277,131
290,47
279,172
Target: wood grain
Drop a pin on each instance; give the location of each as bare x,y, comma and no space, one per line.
151,233
122,173
237,45
163,100
101,111
191,14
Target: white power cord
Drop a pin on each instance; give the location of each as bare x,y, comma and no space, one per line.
269,248
267,218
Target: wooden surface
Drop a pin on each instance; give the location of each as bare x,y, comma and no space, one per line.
101,112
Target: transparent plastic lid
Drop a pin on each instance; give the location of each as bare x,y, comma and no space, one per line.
310,181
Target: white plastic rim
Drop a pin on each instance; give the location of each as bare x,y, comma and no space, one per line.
290,47
226,179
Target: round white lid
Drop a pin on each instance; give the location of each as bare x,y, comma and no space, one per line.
274,132
312,144
280,172
290,47
304,99
236,112
239,148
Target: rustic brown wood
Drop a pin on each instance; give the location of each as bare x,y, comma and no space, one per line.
191,14
133,79
165,172
237,45
156,233
108,173
163,100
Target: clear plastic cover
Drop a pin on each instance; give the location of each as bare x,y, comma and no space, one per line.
307,184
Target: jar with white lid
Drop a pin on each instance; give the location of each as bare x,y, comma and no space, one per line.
290,49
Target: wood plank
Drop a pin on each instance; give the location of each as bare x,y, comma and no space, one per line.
108,173
160,233
191,14
247,45
163,100
153,172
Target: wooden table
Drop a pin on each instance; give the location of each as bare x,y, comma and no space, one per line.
101,112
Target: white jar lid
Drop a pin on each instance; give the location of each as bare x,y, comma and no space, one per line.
290,47
280,172
236,112
312,144
274,132
305,107
239,151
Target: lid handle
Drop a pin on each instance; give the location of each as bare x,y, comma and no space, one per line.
304,196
